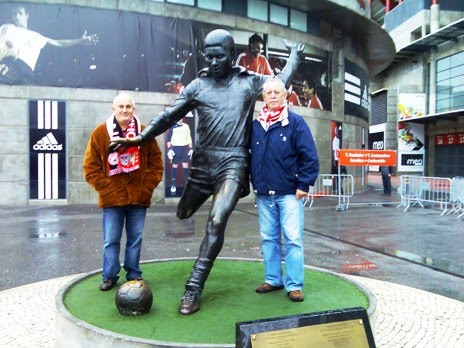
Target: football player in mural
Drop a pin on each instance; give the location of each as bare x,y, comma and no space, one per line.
20,48
310,93
252,59
180,151
293,98
224,97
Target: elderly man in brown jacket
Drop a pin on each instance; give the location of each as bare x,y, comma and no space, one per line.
125,180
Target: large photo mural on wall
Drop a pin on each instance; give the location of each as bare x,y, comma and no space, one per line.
79,47
68,46
310,86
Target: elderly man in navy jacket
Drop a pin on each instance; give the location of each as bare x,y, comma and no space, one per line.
284,164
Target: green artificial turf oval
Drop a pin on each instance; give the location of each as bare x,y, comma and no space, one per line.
229,297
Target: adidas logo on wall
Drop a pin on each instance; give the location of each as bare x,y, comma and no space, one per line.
48,142
47,146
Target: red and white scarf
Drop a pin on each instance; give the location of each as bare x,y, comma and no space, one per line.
267,117
128,160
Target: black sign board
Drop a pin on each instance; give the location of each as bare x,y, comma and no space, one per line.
348,328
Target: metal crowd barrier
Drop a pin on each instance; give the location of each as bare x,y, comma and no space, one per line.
457,196
420,189
327,186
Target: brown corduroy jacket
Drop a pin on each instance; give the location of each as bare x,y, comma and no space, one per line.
134,188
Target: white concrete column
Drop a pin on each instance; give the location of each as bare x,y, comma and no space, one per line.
432,84
434,18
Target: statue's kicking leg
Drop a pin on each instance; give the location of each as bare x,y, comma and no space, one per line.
224,203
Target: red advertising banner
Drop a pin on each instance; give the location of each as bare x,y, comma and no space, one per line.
367,157
449,139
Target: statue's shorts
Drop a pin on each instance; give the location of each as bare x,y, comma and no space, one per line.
212,165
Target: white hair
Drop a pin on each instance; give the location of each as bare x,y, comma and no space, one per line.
274,80
125,95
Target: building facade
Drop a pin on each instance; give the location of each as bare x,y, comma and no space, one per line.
418,101
152,49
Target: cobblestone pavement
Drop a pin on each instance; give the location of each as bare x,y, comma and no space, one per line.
413,262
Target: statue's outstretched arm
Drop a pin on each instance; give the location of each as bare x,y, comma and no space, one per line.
159,124
296,50
167,118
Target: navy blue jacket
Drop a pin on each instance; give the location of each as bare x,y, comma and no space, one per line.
284,158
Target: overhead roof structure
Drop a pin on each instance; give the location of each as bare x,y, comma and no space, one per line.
447,115
451,32
379,45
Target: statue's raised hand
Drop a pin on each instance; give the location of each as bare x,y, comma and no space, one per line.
298,46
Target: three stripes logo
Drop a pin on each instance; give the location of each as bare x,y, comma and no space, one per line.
352,89
47,139
356,86
48,143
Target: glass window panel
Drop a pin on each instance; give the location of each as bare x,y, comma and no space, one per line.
458,95
215,5
442,105
443,89
443,64
443,101
457,71
183,2
444,93
257,9
456,81
458,101
279,15
443,75
457,59
298,20
450,83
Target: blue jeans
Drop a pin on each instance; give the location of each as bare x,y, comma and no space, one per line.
282,214
114,219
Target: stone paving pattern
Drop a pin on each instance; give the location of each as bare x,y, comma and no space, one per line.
412,262
406,317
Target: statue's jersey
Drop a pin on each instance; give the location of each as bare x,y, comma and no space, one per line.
225,112
225,108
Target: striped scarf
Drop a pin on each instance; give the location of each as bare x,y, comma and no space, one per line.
267,117
129,159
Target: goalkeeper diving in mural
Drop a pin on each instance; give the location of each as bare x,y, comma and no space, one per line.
20,48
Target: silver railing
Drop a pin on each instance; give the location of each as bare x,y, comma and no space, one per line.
327,186
425,189
445,193
457,196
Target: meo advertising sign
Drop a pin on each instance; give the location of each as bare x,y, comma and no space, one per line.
411,161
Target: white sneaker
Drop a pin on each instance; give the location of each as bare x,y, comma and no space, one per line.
173,189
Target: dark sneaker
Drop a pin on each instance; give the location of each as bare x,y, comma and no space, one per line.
296,296
190,302
107,284
265,288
